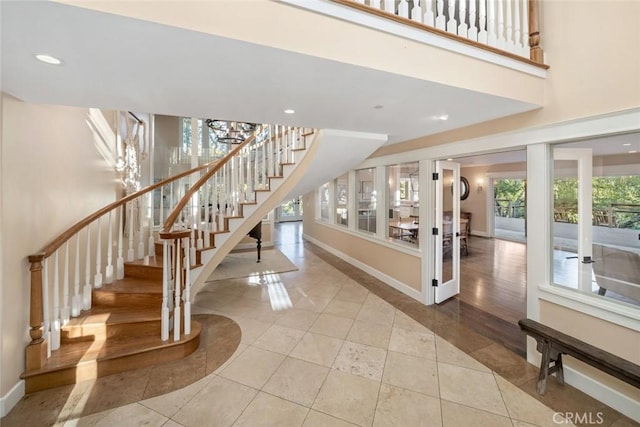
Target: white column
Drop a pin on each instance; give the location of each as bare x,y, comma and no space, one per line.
141,251
166,267
131,252
178,285
46,314
187,295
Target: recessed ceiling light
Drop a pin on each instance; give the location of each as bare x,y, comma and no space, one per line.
633,151
626,144
378,107
448,160
289,111
443,117
48,59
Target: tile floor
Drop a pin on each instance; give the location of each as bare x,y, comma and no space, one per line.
319,348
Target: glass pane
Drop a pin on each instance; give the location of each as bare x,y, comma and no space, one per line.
288,209
324,201
447,225
509,208
403,204
342,193
366,185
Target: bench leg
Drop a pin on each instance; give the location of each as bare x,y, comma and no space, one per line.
558,369
544,368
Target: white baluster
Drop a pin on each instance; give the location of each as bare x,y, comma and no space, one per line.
500,13
88,288
177,284
76,301
463,28
509,42
120,259
187,295
429,16
452,24
161,206
440,18
517,34
375,4
97,283
192,247
473,29
390,6
141,251
482,22
263,172
46,314
416,11
108,272
359,1
55,324
65,313
131,255
166,268
492,38
403,9
525,29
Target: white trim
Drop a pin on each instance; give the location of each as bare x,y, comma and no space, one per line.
405,289
480,233
591,127
594,306
396,28
605,394
9,400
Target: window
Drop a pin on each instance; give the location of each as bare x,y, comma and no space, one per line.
323,199
403,203
366,185
342,199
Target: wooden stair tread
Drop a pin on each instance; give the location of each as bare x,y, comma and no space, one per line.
111,316
152,262
132,285
87,352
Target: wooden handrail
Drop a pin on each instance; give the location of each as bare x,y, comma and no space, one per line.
71,231
166,228
410,22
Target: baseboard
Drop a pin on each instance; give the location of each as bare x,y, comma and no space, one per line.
9,400
605,394
407,290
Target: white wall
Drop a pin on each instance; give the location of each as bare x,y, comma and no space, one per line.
52,175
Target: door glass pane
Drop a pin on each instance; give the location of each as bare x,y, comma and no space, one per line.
342,193
323,196
447,225
288,209
366,185
403,204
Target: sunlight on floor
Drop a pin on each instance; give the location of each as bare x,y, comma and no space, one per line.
278,295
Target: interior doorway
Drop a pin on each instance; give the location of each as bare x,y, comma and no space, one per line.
509,208
291,210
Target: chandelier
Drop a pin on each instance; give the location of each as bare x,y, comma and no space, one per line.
230,132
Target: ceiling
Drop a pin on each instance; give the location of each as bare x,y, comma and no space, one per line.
122,63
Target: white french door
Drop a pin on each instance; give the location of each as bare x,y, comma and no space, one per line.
447,239
291,210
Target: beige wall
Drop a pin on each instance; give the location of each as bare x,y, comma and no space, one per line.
47,152
594,69
404,268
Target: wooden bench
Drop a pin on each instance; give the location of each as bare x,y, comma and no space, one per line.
553,344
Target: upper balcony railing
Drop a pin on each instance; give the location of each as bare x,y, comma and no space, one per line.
507,27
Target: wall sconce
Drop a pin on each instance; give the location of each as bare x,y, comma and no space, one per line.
479,185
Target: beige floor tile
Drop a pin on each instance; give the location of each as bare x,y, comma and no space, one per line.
253,367
517,423
411,372
73,421
170,403
403,321
349,397
130,415
414,343
297,319
220,403
454,415
333,326
376,314
279,339
311,303
362,360
318,419
374,334
400,407
251,328
267,410
470,387
241,348
172,423
523,407
448,353
352,293
297,381
317,348
343,308
324,289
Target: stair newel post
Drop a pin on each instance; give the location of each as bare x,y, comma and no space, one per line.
55,324
65,312
164,319
187,294
120,259
36,351
140,203
45,305
86,293
177,285
108,273
97,283
536,54
131,253
76,301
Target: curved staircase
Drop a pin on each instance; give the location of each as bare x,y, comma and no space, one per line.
106,328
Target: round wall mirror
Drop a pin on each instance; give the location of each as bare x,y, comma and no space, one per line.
464,188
